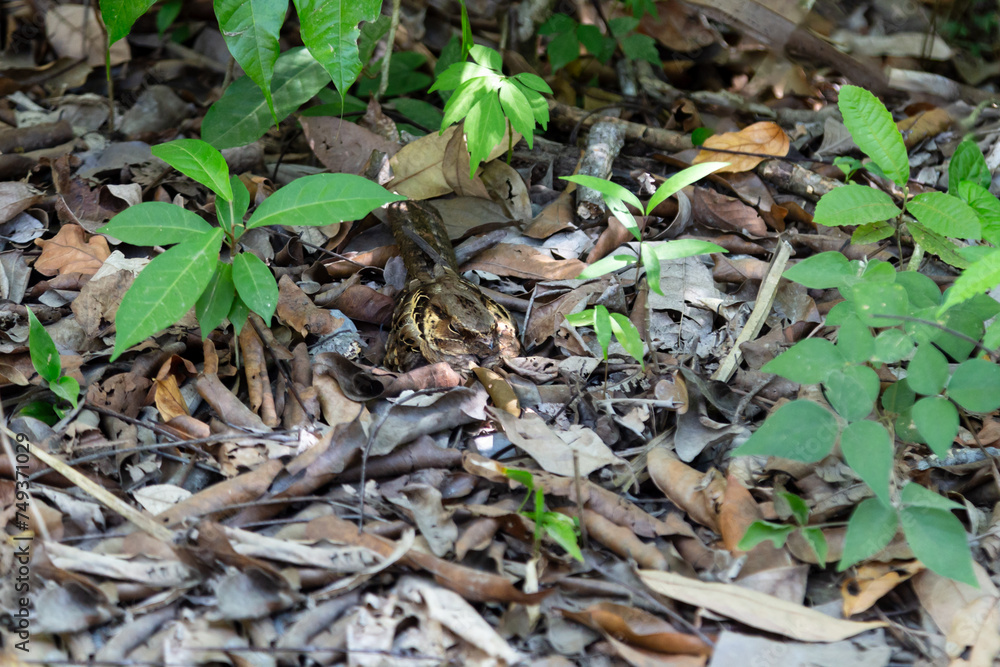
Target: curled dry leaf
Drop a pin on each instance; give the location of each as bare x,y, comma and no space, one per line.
638,628
686,487
298,311
764,138
872,581
522,261
619,539
70,251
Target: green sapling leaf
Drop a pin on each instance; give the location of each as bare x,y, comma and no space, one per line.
251,33
120,15
968,164
938,539
155,223
867,449
936,420
199,160
680,180
800,430
215,303
255,284
44,355
854,205
946,215
975,385
321,199
869,530
873,130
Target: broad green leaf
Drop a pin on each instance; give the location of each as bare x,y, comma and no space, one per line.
937,421
538,104
618,209
518,111
847,164
872,232
167,14
921,290
684,248
682,179
533,81
854,205
321,199
968,164
486,57
822,271
867,448
214,304
485,127
563,49
562,530
523,477
991,339
598,44
869,530
238,314
873,130
166,289
606,265
40,410
462,72
419,111
42,349
852,391
927,371
605,187
855,340
937,244
809,361
986,206
975,385
788,503
905,428
915,495
405,76
66,388
652,265
872,300
468,94
330,31
628,336
898,397
585,318
199,160
762,531
981,276
938,539
602,328
556,24
946,215
242,116
891,346
877,271
255,284
965,318
155,223
640,47
120,15
817,540
230,213
250,28
800,430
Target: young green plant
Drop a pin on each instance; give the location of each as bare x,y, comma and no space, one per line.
45,359
562,529
191,273
650,254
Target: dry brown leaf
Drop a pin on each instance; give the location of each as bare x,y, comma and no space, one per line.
70,251
500,391
638,628
924,125
241,489
522,261
342,146
556,217
872,581
764,138
74,31
298,311
757,610
965,614
619,539
455,167
169,401
727,214
685,487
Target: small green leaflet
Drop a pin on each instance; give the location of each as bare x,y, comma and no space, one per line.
44,356
199,160
255,284
120,15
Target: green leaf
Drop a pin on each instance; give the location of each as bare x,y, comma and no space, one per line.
250,28
602,327
870,529
330,32
562,49
199,160
975,385
891,346
585,318
809,361
872,300
921,290
419,111
991,339
867,449
214,304
255,284
44,355
855,340
936,420
652,265
486,57
40,410
606,265
927,371
938,539
321,199
761,531
847,164
468,94
964,318
682,179
522,477
404,76
872,129
155,223
968,164
120,15
854,205
946,215
485,127
238,314
597,44
800,430
463,72
605,187
242,116
873,232
230,213
796,506
986,206
822,271
936,244
981,276
641,47
915,495
562,530
817,540
518,111
852,391
898,397
532,81
619,210
628,336
66,388
668,250
166,289
168,13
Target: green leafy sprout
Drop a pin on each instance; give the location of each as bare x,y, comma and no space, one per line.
562,529
192,273
45,359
